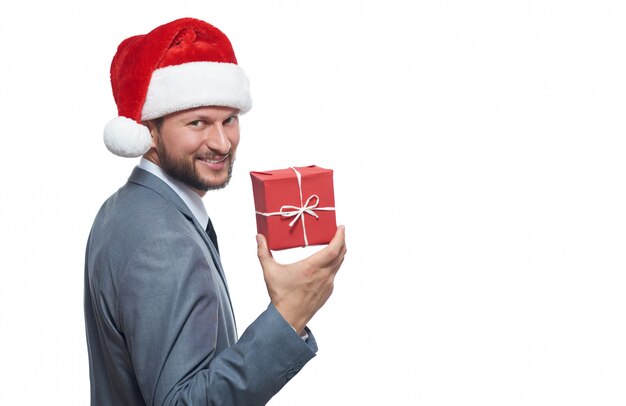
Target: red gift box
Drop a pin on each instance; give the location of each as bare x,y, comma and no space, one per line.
295,207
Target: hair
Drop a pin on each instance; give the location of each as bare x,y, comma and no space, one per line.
158,123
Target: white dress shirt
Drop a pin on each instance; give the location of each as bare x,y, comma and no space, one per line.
187,194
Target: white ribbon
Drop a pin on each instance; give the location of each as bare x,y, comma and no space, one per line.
298,212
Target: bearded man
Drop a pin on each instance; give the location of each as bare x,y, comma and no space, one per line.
159,319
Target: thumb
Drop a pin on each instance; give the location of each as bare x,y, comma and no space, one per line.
262,251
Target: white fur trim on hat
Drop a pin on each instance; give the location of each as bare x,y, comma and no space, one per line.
194,84
127,138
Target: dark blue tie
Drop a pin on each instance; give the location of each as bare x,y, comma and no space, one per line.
211,233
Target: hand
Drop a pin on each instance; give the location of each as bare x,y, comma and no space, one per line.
300,289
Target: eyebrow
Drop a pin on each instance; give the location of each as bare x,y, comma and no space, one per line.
204,117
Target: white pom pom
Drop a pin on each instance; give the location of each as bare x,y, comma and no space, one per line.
127,138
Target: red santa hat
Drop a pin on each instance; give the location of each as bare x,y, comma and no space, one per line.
180,65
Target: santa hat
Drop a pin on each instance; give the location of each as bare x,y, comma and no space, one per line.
180,65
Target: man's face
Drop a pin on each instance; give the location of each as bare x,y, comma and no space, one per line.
197,146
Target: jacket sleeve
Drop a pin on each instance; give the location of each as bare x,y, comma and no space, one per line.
168,310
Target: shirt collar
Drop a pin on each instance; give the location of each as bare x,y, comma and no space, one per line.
187,194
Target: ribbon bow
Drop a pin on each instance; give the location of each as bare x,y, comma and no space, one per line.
298,212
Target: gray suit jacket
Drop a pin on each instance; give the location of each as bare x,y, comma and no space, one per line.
160,327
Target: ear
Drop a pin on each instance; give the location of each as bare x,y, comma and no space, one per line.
153,133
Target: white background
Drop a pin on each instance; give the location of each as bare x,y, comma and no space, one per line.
479,157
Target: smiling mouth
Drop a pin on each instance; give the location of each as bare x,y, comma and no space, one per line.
216,159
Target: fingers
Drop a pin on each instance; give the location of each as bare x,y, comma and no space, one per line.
264,254
336,263
330,256
337,246
340,236
332,253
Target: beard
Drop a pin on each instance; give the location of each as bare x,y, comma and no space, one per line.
184,170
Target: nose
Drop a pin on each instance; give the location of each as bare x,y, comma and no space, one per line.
217,140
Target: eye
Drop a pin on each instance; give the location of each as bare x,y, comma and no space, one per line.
196,123
231,120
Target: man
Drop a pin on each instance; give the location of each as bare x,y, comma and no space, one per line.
160,327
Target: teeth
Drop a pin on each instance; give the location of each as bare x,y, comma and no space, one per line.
210,161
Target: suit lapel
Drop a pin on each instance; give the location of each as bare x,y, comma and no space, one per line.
146,179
